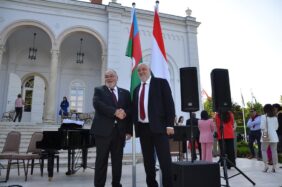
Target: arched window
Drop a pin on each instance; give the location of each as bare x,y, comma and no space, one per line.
27,93
77,96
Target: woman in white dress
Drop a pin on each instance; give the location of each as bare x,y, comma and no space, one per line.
269,125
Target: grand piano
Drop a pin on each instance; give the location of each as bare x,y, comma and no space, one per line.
69,137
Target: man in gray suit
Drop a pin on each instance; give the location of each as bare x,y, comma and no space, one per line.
112,124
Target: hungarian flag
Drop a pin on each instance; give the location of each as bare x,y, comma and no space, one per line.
134,51
159,65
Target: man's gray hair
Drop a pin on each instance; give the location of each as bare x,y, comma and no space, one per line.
144,63
111,70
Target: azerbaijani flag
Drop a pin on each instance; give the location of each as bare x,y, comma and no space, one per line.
134,50
159,65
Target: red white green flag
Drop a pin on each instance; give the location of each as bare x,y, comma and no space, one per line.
134,50
159,65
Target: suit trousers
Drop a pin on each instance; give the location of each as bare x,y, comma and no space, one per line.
255,136
104,145
152,143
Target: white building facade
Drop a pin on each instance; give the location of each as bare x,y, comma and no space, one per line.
59,26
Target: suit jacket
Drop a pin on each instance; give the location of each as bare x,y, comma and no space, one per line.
195,125
207,128
161,111
105,107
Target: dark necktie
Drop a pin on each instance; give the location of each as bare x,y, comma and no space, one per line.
114,96
141,102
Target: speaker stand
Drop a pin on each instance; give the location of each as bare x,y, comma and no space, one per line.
224,160
191,139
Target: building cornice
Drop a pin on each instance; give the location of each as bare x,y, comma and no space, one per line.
58,7
86,10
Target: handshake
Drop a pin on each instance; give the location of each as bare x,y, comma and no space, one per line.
120,113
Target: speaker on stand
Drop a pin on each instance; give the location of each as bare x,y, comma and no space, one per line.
189,89
221,97
220,90
189,97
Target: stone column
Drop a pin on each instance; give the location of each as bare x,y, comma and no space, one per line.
2,50
51,89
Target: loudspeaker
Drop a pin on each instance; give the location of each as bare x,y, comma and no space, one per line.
189,89
196,174
220,90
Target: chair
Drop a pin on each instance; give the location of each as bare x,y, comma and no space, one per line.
31,154
176,149
36,136
8,116
10,149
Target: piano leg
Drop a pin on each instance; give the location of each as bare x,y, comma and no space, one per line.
84,158
50,166
71,159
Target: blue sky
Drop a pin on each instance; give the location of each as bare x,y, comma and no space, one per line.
243,36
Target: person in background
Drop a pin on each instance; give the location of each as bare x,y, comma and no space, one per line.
112,125
254,133
19,103
269,125
226,119
206,128
180,121
278,113
154,116
196,136
269,155
64,107
215,148
235,138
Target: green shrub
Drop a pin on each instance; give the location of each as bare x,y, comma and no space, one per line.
243,149
240,130
280,158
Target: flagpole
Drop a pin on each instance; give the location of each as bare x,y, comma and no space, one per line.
252,100
133,136
133,158
244,124
243,112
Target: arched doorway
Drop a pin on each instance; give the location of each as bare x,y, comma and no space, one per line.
77,80
33,89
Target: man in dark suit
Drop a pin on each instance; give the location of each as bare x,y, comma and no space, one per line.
196,136
112,124
153,115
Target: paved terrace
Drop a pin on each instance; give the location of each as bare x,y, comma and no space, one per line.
252,168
